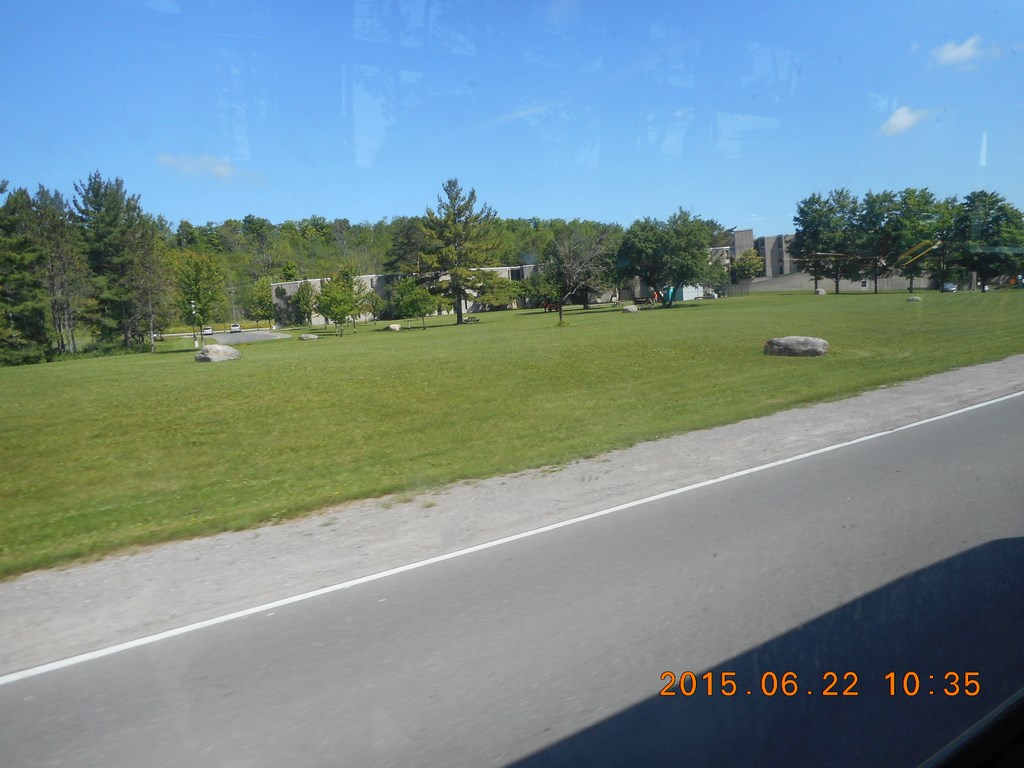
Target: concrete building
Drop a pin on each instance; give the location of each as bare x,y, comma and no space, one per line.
774,252
742,241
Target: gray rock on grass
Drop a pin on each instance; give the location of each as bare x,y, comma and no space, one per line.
217,353
796,346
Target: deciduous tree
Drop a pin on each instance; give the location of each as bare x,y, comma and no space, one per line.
988,235
748,264
338,298
580,259
200,283
260,304
303,302
670,254
410,299
825,240
878,236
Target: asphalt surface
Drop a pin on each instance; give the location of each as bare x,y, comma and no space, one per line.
899,554
245,337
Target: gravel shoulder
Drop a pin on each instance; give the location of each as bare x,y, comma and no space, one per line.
50,615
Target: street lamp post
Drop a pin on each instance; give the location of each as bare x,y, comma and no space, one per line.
195,339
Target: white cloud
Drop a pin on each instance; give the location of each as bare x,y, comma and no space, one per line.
959,55
902,120
199,165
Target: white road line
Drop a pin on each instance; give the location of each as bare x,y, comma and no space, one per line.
109,651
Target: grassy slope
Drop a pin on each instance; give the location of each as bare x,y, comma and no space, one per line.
105,453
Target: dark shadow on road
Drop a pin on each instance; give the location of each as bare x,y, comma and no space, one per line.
965,614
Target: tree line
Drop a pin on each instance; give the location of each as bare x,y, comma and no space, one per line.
97,274
910,233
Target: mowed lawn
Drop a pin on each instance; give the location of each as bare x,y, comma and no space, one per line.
102,454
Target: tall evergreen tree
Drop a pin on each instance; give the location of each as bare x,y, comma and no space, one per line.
151,277
66,274
457,241
110,221
24,331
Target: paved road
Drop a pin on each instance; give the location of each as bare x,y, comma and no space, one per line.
245,337
900,554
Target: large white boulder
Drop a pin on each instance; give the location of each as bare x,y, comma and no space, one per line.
796,346
217,353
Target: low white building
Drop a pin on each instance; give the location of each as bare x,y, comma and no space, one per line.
283,292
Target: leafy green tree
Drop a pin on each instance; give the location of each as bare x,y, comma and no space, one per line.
303,303
260,304
748,265
186,235
370,303
988,235
543,286
338,298
580,259
826,234
24,332
878,234
290,271
259,235
670,254
919,222
410,299
457,241
316,229
200,284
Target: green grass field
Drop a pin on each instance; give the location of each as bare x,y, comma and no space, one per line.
103,454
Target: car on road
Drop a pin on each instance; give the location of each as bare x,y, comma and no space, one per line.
949,287
207,330
236,328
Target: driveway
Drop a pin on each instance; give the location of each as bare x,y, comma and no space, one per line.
246,337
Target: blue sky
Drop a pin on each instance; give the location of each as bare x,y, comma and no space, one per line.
214,109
